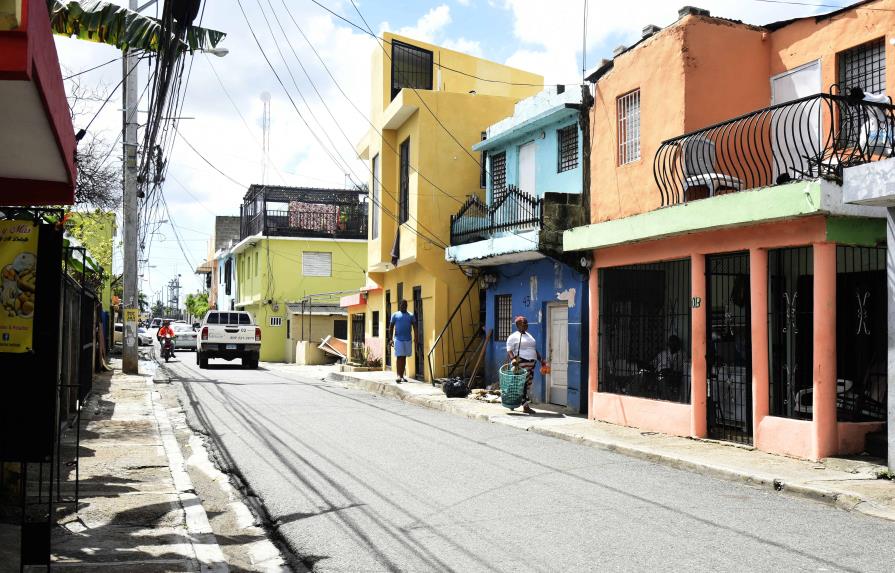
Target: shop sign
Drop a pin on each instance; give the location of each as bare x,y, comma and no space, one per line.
18,284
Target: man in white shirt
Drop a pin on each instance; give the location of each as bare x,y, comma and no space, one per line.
522,345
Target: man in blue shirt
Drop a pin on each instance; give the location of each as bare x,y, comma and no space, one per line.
402,332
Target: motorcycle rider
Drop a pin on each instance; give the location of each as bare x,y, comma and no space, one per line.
164,331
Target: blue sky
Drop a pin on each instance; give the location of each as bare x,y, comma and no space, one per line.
539,35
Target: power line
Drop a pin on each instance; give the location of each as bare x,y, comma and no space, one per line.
819,5
203,158
91,69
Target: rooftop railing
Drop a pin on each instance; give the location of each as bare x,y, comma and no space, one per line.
514,211
807,138
303,213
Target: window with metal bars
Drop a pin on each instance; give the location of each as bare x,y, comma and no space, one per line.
404,199
628,113
503,316
863,67
567,143
374,208
644,330
483,161
411,67
358,337
498,176
861,334
791,331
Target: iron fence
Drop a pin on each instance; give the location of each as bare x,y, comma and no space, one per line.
807,138
791,332
304,212
514,211
644,331
861,333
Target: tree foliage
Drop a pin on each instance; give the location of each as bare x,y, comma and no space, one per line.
197,304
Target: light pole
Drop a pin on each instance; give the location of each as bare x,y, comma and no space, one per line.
130,354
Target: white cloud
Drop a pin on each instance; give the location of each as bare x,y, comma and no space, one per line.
551,32
463,2
472,47
429,26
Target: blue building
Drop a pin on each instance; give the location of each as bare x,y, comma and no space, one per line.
535,167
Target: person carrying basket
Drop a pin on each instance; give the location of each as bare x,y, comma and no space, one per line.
522,352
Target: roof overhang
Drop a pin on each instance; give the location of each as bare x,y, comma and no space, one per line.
502,249
204,268
37,141
399,110
547,117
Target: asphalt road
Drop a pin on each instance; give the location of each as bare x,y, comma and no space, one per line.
364,483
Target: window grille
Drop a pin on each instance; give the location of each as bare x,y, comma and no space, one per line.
483,162
791,331
863,67
567,141
374,327
503,316
358,337
276,321
316,264
388,318
411,67
644,330
498,176
628,110
418,318
861,334
404,200
375,209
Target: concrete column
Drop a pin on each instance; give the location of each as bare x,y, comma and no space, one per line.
758,270
825,435
698,324
890,371
593,338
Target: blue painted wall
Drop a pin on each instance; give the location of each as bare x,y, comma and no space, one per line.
547,177
533,285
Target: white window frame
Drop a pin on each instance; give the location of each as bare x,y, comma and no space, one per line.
276,321
628,122
305,262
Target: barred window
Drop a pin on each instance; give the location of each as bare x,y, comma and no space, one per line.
503,316
404,183
411,67
863,67
498,176
567,142
276,321
628,112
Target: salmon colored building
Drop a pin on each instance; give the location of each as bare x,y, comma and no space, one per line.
733,294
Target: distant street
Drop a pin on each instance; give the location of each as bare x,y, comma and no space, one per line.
363,483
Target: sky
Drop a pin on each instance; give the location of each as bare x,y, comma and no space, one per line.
223,106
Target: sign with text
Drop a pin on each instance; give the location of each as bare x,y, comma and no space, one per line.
18,284
131,316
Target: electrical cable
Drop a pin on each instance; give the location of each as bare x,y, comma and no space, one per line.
209,163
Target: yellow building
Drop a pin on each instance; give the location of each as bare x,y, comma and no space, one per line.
429,106
296,242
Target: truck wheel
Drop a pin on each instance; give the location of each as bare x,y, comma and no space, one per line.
249,362
203,360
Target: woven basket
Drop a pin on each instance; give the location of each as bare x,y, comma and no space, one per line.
512,387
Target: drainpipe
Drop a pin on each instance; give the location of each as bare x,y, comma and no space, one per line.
890,370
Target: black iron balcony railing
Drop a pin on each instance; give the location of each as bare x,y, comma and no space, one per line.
514,211
808,138
296,212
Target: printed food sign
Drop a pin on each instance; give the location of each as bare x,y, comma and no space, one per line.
18,284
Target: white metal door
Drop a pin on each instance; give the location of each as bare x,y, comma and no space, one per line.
796,132
558,354
527,168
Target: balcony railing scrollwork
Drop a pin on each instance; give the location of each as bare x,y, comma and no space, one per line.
514,211
807,138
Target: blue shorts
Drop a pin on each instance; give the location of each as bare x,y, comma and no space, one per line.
403,347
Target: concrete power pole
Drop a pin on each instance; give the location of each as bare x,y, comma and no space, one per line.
131,234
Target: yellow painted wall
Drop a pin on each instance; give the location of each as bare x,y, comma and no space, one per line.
446,174
271,270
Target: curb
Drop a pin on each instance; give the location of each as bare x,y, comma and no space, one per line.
208,553
842,500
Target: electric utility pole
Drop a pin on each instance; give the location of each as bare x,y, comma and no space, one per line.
130,207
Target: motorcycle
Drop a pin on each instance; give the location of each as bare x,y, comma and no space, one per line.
167,347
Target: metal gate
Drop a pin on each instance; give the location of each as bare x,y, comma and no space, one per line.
358,336
729,348
418,359
388,321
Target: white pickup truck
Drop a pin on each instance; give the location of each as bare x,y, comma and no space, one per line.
229,334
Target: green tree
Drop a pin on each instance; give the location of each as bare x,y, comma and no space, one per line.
197,304
158,309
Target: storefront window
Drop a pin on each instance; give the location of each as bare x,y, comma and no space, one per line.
644,331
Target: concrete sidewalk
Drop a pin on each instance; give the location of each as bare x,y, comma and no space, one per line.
850,484
137,511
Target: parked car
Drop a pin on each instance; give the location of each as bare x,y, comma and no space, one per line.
155,323
229,335
143,336
185,338
118,336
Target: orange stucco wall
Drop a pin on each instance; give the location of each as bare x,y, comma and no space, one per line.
815,439
700,71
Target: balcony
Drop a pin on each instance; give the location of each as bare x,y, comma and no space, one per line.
814,137
516,211
303,212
